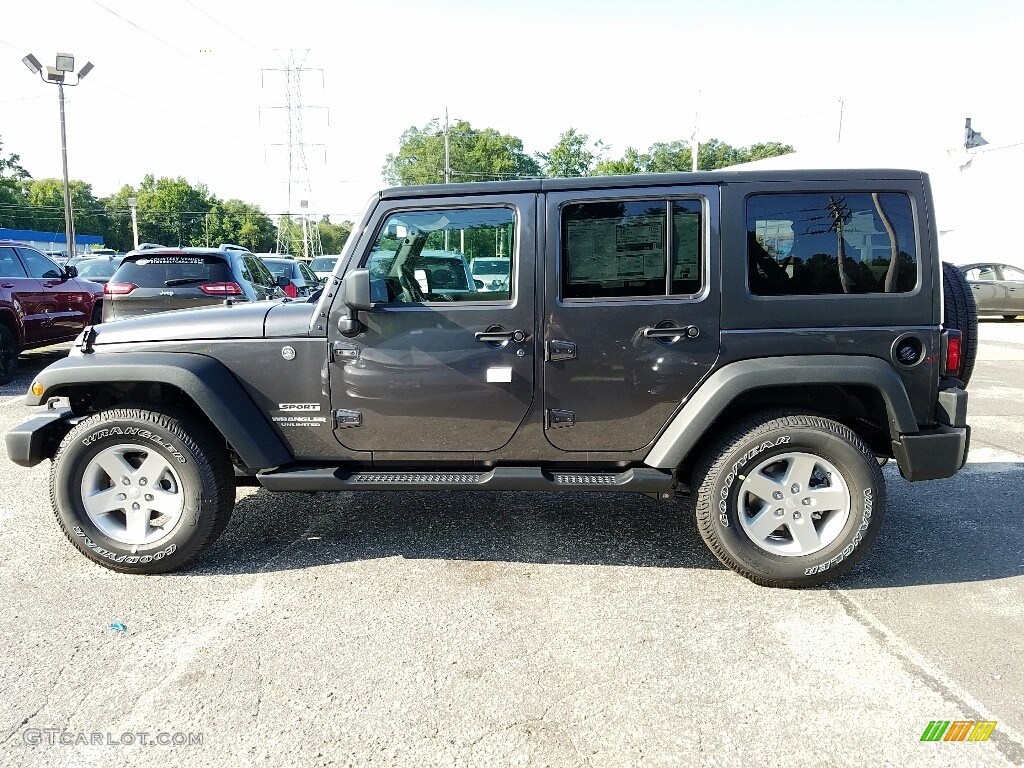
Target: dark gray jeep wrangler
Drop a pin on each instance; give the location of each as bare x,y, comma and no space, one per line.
763,341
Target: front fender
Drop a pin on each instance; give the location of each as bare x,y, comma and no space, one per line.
206,381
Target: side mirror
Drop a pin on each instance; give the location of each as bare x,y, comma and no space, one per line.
479,284
71,271
355,292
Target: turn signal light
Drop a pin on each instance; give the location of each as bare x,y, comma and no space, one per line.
118,289
37,389
221,289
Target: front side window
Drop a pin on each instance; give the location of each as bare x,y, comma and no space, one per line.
831,243
1012,273
38,265
627,248
425,256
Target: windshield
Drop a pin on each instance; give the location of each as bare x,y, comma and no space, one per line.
491,266
323,263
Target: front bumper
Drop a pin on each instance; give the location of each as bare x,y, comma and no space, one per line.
941,451
39,437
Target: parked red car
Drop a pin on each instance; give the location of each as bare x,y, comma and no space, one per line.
40,303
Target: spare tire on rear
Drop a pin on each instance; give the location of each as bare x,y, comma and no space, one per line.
960,312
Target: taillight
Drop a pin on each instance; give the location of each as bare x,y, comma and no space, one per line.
118,289
221,289
954,348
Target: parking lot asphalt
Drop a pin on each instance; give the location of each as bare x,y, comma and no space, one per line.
498,629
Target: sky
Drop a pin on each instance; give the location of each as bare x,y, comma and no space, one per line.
194,88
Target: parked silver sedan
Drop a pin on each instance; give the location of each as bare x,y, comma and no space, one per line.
998,288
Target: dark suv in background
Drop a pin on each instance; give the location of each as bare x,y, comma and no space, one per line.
162,279
41,303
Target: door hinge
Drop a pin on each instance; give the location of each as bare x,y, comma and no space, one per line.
560,418
343,419
561,350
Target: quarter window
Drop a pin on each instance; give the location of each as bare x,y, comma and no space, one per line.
831,243
623,248
424,257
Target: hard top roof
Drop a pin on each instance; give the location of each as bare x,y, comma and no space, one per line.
731,176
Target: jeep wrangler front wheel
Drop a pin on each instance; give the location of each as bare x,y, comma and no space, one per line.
142,491
789,499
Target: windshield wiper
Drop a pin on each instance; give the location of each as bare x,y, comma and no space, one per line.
184,281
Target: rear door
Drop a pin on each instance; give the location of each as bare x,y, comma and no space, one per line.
24,292
1013,283
632,309
435,371
989,293
66,304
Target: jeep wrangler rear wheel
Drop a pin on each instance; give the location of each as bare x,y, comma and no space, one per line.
789,499
142,491
961,312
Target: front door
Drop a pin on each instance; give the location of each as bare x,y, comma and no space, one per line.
66,304
443,363
632,303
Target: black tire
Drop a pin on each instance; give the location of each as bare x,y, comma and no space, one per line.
961,313
200,478
8,354
752,445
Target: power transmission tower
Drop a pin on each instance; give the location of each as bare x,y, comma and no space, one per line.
307,236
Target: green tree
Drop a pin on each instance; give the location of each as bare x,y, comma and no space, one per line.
334,236
46,200
238,222
474,155
667,157
116,219
172,211
631,162
571,156
11,199
675,156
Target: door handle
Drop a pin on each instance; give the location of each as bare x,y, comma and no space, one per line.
6,285
498,335
670,332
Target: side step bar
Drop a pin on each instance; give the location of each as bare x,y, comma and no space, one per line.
311,478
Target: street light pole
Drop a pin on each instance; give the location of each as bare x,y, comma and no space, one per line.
69,219
55,75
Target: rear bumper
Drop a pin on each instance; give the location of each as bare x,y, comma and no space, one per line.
38,438
941,451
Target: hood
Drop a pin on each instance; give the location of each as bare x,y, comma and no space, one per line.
241,321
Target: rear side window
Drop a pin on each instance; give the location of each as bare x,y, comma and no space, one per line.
831,243
628,248
165,271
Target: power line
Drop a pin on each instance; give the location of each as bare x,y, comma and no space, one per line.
231,30
201,64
